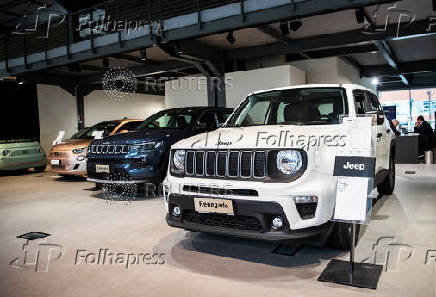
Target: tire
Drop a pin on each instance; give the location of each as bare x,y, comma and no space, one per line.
340,238
388,185
40,168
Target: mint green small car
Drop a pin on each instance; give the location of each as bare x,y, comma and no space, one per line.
17,154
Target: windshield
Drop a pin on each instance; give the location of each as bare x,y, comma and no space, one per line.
86,133
178,119
309,106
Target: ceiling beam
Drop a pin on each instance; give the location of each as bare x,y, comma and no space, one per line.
416,29
138,71
272,32
130,58
390,57
405,68
420,81
340,51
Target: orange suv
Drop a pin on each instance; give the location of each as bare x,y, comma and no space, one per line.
69,157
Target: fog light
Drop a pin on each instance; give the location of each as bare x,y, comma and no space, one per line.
277,223
176,211
306,206
305,199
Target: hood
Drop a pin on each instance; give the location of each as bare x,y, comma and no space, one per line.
262,137
69,144
139,136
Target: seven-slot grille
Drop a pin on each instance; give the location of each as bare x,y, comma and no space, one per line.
109,149
226,164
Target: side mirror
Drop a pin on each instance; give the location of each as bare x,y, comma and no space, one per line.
200,126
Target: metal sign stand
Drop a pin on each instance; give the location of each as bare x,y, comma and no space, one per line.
350,273
361,275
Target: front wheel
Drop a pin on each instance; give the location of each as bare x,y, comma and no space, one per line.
388,185
340,238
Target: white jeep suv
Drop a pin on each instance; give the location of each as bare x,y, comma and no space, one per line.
267,173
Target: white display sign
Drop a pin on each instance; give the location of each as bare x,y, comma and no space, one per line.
58,139
352,191
98,134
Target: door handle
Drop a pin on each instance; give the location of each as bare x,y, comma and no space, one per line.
379,135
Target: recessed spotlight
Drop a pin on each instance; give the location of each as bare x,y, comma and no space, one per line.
375,81
284,27
295,25
230,38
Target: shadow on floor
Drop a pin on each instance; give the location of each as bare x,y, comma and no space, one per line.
19,172
70,178
141,196
236,258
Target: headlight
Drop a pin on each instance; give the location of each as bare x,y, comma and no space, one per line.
289,162
6,153
79,150
145,146
179,160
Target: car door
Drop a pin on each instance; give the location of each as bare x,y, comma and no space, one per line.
365,107
384,132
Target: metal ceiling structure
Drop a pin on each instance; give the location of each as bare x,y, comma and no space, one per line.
394,42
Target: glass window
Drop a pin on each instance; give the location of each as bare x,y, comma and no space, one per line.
87,133
210,118
129,126
176,119
309,106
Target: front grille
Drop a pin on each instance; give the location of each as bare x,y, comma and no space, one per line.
223,164
108,149
57,154
219,220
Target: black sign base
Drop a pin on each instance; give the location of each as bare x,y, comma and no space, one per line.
364,276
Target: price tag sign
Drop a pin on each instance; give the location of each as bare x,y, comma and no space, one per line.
58,138
354,167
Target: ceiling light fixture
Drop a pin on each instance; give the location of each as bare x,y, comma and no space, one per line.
295,25
230,38
284,27
375,81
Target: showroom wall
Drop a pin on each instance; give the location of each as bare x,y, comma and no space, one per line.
331,70
192,91
58,111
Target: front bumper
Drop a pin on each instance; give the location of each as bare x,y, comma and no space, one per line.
22,162
69,163
145,168
252,220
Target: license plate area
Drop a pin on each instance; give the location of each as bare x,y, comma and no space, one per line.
208,205
55,162
99,168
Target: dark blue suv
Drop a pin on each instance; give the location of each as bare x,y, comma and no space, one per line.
141,156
